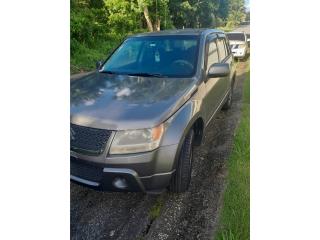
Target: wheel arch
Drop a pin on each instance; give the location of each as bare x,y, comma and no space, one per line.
187,118
198,127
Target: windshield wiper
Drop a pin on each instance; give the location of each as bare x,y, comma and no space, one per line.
143,74
140,74
109,72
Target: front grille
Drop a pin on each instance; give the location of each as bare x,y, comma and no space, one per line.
88,140
86,171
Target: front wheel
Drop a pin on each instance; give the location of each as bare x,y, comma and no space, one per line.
180,181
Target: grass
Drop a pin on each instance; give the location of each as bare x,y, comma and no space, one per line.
156,208
235,214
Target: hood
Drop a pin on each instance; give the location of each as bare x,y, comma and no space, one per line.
119,102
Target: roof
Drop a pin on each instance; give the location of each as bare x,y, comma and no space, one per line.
187,31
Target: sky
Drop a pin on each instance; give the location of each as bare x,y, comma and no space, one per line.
247,4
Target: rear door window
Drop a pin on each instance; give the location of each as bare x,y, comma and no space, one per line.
221,49
226,46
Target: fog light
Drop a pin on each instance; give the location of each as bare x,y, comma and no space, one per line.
120,183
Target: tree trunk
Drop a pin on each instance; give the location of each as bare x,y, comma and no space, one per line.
147,17
157,25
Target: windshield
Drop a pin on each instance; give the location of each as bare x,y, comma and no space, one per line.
160,56
236,36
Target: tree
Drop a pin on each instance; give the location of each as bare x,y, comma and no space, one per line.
248,16
123,16
97,26
147,17
86,21
236,12
154,12
222,12
198,13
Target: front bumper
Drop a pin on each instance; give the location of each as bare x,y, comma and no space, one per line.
144,172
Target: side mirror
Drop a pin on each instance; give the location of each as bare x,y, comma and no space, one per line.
98,65
218,70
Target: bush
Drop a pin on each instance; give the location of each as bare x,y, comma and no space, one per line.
84,58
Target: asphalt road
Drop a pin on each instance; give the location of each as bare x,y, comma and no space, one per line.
243,28
191,215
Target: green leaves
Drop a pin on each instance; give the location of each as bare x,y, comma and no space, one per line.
236,13
123,15
93,22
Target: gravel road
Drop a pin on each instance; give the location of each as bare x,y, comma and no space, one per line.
191,215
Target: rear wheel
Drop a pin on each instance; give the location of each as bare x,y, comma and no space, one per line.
180,181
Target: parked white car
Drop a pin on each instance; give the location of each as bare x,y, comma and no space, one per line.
238,44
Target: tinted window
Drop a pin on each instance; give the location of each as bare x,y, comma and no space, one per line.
174,56
212,54
236,36
126,55
221,49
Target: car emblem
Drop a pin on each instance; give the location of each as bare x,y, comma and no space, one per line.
72,134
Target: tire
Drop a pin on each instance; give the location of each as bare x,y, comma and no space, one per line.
180,181
228,103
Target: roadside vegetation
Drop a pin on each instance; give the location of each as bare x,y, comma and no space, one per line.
235,213
98,26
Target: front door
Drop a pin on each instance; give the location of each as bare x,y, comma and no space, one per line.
215,87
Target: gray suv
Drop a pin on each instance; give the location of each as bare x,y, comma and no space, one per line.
136,119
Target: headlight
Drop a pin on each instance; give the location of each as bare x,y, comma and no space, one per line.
134,141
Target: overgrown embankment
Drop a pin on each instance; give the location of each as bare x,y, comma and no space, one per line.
235,214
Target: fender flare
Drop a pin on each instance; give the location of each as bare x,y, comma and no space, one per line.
180,124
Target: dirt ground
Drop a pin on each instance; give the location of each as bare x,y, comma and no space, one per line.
191,215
